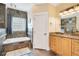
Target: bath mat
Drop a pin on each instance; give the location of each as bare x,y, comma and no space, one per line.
20,52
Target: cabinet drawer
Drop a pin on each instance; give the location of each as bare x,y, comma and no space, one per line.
75,42
75,54
75,50
75,47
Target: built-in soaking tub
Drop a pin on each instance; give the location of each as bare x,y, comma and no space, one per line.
16,43
16,40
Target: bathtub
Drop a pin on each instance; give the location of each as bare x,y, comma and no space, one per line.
16,40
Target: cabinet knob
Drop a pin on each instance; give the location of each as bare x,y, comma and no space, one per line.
45,33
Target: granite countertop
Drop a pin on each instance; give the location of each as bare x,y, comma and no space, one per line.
72,36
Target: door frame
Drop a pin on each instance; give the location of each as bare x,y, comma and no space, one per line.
38,13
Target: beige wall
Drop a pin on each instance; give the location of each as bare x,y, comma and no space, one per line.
53,13
54,19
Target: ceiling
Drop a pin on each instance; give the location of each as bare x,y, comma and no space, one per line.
28,6
55,4
64,6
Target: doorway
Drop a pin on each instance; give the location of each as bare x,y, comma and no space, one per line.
40,31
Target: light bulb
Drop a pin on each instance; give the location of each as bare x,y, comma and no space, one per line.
70,10
61,14
65,12
76,8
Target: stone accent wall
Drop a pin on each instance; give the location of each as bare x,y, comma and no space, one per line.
2,15
17,13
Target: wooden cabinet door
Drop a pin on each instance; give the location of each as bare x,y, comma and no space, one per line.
50,42
66,47
55,46
53,43
59,48
75,47
50,38
60,45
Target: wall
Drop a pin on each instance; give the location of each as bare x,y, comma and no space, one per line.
2,16
27,7
54,18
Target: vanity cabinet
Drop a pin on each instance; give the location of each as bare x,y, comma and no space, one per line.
66,46
55,44
60,45
75,47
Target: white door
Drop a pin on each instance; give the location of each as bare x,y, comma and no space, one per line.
40,31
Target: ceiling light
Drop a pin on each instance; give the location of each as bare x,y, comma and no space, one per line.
70,10
77,8
65,12
61,14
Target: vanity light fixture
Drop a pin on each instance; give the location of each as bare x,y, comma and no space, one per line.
76,8
71,10
61,13
65,12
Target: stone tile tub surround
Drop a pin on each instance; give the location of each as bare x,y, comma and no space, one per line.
2,31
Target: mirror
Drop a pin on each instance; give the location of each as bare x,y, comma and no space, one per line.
70,24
